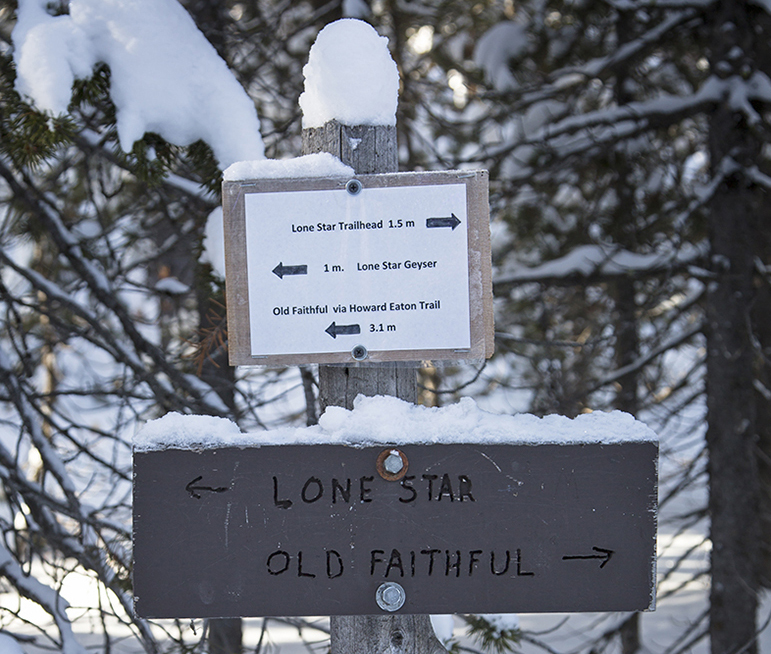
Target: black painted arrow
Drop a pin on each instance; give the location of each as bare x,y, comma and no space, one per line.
193,489
280,270
452,221
333,330
602,554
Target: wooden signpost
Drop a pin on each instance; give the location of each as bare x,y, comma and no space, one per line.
367,273
375,153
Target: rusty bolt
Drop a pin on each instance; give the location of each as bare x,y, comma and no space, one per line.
392,464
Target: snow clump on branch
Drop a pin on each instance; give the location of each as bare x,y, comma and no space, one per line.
165,77
495,51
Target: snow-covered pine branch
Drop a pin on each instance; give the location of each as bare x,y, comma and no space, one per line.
596,263
47,598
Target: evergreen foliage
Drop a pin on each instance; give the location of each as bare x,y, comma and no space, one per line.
490,636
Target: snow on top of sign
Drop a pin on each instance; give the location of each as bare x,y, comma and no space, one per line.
350,77
388,420
165,77
187,432
321,164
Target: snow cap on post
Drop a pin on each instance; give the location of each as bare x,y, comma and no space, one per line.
350,77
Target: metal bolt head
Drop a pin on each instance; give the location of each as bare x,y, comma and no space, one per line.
353,187
393,463
359,352
390,596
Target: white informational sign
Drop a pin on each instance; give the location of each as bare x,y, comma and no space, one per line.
381,268
376,268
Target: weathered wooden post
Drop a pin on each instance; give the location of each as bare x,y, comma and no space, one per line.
375,152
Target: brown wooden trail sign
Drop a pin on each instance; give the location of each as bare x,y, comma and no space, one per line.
386,267
337,530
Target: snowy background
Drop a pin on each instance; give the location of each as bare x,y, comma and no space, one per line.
593,131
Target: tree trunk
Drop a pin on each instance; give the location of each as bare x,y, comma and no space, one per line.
761,322
761,328
731,432
626,350
368,149
627,344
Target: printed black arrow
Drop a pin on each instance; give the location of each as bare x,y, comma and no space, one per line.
333,330
452,221
602,554
280,270
193,489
